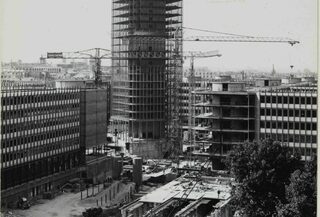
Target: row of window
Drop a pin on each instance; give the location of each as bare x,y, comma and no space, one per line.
288,125
144,85
289,99
153,115
147,108
36,125
17,100
285,138
288,112
150,92
54,134
15,155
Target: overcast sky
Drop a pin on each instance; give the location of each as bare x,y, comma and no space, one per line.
30,28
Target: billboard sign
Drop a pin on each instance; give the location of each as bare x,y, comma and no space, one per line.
54,55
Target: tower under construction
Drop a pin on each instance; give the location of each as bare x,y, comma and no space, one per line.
146,50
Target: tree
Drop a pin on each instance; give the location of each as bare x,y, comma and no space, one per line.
301,192
261,170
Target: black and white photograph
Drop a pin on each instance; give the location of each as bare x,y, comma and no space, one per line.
159,108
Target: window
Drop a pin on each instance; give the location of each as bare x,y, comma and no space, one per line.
308,100
279,125
268,112
291,112
308,126
308,113
268,124
268,99
290,100
224,87
290,126
291,137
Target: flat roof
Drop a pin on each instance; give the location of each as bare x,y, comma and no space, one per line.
207,188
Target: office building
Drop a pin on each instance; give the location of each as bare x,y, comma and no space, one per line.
40,141
289,115
143,65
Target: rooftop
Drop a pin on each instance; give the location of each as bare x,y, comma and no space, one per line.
207,188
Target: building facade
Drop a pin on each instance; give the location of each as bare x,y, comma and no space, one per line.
143,65
289,115
40,141
226,118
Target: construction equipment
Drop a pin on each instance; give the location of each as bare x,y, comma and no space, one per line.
95,54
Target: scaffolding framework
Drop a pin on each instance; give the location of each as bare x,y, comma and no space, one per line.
147,66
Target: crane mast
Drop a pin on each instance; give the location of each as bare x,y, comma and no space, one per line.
96,54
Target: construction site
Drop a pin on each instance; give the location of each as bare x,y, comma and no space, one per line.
155,138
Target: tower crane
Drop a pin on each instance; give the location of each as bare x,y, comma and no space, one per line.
96,54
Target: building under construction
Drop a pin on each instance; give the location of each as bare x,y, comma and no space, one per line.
227,117
146,50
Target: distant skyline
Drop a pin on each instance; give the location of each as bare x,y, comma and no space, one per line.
30,28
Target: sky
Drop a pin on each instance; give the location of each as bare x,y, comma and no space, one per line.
30,28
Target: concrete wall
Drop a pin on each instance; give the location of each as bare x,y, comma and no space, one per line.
99,169
137,171
93,117
230,86
271,82
290,80
147,148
